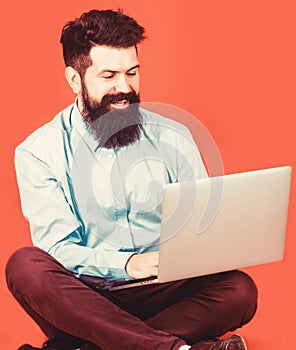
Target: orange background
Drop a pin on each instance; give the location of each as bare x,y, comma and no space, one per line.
230,63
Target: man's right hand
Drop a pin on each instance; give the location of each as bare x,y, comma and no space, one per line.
143,265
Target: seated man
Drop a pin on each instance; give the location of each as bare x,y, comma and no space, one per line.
85,184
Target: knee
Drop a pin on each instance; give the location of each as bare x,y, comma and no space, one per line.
244,295
22,268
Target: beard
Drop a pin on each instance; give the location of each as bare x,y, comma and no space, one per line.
112,128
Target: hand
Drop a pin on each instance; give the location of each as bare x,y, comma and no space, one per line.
143,265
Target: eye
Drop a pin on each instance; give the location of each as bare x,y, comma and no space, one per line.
132,73
108,76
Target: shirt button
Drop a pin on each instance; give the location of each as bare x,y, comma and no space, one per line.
110,156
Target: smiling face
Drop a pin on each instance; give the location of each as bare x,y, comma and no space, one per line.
114,71
108,95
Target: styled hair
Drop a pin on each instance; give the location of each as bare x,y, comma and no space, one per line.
97,27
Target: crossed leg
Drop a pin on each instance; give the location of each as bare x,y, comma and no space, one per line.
164,316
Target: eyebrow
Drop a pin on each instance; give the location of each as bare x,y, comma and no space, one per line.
114,71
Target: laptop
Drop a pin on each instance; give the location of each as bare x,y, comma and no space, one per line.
221,223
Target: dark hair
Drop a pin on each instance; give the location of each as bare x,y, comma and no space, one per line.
104,27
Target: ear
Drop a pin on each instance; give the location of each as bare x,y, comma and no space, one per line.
73,78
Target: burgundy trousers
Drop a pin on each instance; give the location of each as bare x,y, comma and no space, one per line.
158,317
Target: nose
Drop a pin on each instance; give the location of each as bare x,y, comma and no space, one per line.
122,85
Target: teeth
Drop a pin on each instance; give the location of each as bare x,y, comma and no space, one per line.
120,102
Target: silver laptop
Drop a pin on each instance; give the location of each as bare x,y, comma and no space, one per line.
221,223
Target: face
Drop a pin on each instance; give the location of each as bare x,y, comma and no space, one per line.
114,71
109,99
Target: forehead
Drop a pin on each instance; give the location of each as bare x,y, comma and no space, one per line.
113,59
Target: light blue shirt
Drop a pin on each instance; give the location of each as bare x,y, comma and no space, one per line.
91,207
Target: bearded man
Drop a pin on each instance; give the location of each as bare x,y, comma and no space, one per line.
85,184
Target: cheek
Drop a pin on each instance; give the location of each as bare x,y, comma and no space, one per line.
135,85
99,91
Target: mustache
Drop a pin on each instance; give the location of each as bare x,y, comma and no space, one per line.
131,97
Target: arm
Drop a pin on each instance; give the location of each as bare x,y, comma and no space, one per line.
190,164
54,226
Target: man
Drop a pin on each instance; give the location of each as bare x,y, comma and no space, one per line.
86,184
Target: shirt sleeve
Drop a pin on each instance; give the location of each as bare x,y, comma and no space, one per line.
54,225
190,164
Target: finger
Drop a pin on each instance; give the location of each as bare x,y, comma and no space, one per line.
155,258
154,271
